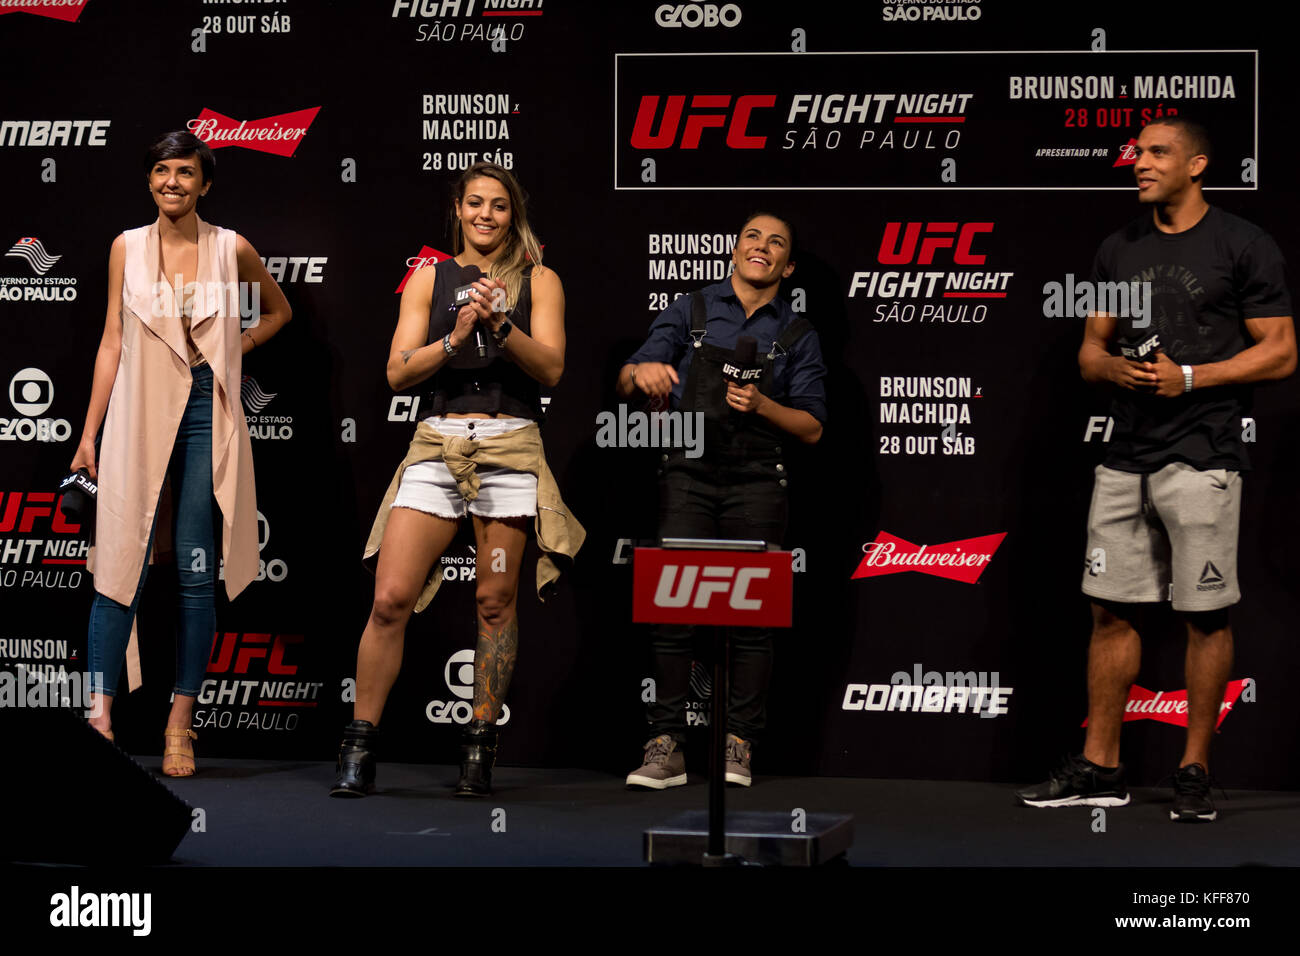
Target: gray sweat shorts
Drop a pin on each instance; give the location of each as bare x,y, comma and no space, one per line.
1167,536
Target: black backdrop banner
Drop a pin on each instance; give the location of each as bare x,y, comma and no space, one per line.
945,162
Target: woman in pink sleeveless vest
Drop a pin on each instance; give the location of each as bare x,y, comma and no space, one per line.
166,388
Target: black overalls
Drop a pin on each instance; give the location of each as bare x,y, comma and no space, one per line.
735,489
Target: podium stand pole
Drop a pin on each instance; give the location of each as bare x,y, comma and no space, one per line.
715,853
721,584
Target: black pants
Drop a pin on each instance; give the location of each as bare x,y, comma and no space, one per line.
702,499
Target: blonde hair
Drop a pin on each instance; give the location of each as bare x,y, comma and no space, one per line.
520,248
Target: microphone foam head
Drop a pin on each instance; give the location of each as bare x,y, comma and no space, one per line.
746,349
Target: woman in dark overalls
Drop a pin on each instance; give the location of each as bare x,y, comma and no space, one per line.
736,487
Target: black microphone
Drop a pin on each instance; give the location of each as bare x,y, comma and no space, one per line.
77,496
461,298
743,369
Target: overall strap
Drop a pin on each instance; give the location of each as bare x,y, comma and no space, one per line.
792,334
699,318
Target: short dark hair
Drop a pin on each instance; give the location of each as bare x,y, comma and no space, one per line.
1196,135
785,221
177,144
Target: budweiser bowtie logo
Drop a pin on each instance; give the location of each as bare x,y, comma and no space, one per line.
56,9
1127,154
1171,707
279,134
428,256
963,560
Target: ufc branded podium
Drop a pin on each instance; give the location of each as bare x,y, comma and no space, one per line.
724,584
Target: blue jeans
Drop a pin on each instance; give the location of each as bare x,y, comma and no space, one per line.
195,535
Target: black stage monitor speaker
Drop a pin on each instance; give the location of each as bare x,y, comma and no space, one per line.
71,796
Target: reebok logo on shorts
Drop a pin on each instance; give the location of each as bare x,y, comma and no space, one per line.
1211,579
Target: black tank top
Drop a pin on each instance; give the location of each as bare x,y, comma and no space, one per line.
467,383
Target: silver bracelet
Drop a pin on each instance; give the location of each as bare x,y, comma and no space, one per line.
447,346
1187,378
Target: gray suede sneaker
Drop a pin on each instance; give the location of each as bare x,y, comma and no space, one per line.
664,765
738,756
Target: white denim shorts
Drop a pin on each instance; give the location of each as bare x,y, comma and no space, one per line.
502,493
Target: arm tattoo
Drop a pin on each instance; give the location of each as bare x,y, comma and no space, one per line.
494,664
406,356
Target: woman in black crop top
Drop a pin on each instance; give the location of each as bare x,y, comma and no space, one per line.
486,345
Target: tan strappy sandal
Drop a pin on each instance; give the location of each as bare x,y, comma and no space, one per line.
183,763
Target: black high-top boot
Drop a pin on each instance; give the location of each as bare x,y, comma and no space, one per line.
478,752
356,767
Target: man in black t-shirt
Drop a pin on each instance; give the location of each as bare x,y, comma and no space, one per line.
1165,506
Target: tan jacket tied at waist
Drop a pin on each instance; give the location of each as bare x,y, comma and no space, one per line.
558,531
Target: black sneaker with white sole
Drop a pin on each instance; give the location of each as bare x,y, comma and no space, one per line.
1192,803
1078,783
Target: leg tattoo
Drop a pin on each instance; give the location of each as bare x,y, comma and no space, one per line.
494,664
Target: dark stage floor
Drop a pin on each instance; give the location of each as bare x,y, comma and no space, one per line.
263,813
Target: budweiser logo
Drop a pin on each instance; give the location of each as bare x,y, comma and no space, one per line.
1127,154
279,135
1171,707
428,256
67,10
963,560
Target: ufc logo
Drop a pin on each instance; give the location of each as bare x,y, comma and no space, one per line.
712,580
246,648
743,374
938,235
704,115
744,589
40,504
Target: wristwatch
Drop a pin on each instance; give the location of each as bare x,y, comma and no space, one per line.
501,331
1187,378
